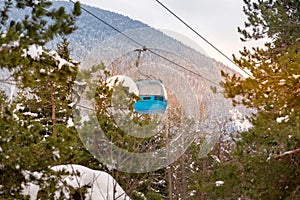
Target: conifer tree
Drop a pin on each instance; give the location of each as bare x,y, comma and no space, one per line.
38,131
39,26
266,161
36,128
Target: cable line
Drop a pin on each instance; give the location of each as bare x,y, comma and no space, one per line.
143,46
181,66
109,25
203,38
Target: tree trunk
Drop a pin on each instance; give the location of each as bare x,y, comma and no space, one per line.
169,170
204,173
53,117
183,178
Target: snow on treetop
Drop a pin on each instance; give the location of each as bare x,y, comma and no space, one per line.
219,183
70,122
282,119
125,81
60,61
295,76
281,82
36,51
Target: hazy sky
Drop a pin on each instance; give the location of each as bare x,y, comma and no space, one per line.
216,20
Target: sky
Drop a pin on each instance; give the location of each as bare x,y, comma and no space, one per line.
215,20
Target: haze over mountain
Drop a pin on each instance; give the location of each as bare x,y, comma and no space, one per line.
94,42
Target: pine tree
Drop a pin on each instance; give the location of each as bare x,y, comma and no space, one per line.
36,130
37,28
265,163
109,110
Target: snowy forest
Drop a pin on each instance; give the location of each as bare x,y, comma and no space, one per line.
243,141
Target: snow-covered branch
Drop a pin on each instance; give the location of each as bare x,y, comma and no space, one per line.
287,153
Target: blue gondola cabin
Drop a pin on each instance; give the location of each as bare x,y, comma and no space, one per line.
153,97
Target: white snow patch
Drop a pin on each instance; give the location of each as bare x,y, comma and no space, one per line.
61,61
3,35
270,156
216,158
56,153
281,82
282,119
70,123
36,2
34,51
16,117
193,193
45,137
72,104
240,122
102,186
31,190
27,174
192,165
295,76
19,106
264,82
219,183
12,44
140,195
30,114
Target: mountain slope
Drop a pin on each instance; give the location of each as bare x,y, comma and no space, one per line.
94,41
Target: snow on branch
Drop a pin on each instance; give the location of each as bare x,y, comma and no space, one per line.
35,52
287,153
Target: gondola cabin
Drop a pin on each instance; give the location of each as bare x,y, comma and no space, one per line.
153,97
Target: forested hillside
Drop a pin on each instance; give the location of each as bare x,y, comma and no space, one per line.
69,132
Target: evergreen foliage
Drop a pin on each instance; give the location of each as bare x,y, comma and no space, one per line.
38,28
265,163
36,132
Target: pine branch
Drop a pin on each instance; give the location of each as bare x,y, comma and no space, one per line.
287,153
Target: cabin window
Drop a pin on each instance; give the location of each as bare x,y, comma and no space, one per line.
160,98
146,98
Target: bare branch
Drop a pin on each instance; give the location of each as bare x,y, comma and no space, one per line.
287,153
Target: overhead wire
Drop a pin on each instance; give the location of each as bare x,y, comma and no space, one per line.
109,25
143,46
202,37
181,66
182,58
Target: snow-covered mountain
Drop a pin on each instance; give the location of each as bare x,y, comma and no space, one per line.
93,36
94,42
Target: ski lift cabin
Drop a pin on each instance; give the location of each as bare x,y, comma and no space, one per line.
153,97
